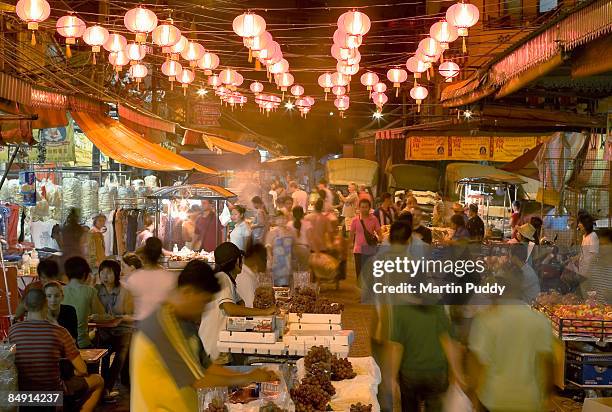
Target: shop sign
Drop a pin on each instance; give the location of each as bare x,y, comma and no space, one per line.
506,149
470,148
427,148
27,183
59,142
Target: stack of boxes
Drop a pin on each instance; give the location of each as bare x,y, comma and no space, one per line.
312,329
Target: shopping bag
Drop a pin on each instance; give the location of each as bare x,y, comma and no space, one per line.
456,400
324,266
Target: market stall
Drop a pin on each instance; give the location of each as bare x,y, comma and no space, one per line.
172,207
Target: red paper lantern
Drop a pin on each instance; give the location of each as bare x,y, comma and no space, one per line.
141,21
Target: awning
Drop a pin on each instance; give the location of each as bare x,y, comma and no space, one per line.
352,170
125,146
415,177
525,165
197,138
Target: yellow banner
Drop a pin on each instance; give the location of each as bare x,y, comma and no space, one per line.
470,148
506,149
427,148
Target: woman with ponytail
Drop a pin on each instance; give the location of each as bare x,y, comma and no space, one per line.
302,245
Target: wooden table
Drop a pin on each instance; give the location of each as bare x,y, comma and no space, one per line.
93,358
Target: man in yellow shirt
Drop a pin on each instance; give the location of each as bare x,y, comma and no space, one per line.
168,362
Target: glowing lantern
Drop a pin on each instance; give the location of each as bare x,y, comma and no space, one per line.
379,87
214,81
140,21
425,58
355,23
325,81
178,48
430,48
267,52
115,43
208,63
258,43
228,76
349,41
279,67
166,35
339,90
369,79
463,16
416,66
185,78
444,33
118,59
256,87
284,81
347,69
70,27
310,100
339,79
343,53
397,76
33,12
449,70
297,90
136,52
172,69
379,99
95,36
138,72
249,25
419,93
193,52
342,103
239,79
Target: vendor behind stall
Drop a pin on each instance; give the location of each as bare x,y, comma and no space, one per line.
207,229
475,225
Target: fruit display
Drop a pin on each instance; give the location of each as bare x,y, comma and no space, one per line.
576,321
317,354
359,407
305,300
264,297
216,405
271,407
320,376
341,369
309,398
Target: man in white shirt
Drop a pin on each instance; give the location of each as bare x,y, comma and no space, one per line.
246,281
300,197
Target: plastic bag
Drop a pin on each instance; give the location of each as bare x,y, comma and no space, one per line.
324,266
456,400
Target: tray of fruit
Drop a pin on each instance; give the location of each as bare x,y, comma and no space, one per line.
590,321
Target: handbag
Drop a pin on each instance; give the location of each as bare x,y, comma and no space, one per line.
371,239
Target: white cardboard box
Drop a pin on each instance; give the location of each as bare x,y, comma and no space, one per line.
597,405
315,318
248,337
320,337
301,349
251,323
278,348
314,326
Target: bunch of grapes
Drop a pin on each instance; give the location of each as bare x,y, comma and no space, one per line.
271,407
306,291
264,297
317,354
216,405
319,376
359,407
309,397
341,369
325,306
302,304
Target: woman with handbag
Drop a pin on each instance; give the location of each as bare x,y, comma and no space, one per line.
365,235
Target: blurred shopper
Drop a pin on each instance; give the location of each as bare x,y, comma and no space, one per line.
95,238
349,205
40,347
328,198
475,225
430,355
418,230
241,234
147,231
117,302
255,262
386,213
260,224
300,197
207,229
320,236
439,212
365,235
168,363
280,242
151,284
301,249
511,367
130,262
73,235
364,193
227,302
83,297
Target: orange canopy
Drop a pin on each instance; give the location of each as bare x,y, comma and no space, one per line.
126,146
196,138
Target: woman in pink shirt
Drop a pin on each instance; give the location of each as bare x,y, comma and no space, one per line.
364,222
